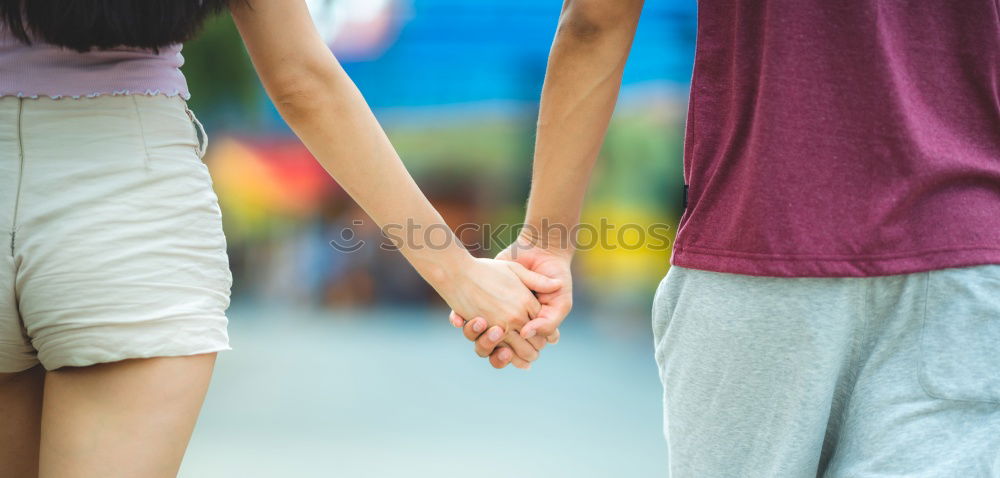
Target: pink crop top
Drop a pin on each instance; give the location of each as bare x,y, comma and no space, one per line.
42,69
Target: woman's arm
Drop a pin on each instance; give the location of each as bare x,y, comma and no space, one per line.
327,112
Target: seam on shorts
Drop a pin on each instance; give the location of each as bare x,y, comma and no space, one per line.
866,313
920,340
866,301
142,129
20,172
855,365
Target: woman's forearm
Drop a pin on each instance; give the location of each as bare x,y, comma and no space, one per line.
327,112
331,117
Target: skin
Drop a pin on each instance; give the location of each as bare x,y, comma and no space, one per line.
125,419
21,409
555,306
581,88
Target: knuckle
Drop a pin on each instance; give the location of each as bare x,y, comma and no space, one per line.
484,343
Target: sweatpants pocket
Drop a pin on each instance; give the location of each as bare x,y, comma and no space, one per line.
664,305
960,340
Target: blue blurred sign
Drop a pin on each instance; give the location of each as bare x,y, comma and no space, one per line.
450,52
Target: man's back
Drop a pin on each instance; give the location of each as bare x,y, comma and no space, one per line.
854,138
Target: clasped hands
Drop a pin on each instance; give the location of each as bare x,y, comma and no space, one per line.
512,306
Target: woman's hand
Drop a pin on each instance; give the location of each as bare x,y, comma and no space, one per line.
498,291
502,349
552,262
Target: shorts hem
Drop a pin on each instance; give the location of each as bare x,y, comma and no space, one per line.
18,366
150,338
86,361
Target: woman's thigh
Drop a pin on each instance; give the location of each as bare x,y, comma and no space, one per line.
20,409
125,419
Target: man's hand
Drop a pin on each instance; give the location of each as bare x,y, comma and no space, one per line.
544,328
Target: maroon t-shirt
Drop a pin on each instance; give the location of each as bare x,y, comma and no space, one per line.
843,138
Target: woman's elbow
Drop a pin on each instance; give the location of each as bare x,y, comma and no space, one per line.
299,91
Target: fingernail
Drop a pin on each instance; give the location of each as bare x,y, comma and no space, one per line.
505,355
495,333
479,326
530,333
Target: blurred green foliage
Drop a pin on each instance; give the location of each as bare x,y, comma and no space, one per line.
219,73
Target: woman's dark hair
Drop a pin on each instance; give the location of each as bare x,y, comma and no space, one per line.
84,25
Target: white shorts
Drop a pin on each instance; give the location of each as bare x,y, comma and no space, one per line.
112,244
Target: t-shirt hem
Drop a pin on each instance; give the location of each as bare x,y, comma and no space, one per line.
770,266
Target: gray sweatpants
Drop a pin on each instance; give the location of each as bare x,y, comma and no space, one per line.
895,376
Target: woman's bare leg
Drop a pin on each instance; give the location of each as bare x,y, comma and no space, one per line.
122,420
20,421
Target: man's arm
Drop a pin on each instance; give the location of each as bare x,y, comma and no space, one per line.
581,89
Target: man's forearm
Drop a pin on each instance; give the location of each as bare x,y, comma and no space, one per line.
581,88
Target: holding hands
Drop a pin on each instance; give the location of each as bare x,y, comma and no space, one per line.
325,109
499,292
552,302
581,88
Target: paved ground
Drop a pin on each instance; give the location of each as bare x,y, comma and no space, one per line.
396,394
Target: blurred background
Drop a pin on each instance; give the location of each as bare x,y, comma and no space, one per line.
344,364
